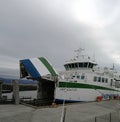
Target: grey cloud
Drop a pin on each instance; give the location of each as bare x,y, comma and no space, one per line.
43,28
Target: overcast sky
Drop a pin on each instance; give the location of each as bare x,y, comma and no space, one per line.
55,28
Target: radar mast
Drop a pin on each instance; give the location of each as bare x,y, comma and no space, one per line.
78,51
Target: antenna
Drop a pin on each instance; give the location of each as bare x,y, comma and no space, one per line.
94,56
78,52
113,66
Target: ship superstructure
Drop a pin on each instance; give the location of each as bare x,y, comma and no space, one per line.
83,80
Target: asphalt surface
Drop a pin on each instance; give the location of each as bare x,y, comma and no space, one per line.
104,111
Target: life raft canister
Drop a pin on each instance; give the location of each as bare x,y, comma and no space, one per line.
116,97
99,98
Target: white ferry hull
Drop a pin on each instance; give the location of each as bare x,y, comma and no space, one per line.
83,94
76,95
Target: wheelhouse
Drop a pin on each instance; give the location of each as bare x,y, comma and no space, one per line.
78,65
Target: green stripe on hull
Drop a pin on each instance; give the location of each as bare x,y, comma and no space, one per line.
80,85
48,66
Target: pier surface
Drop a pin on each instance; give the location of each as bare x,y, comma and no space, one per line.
105,111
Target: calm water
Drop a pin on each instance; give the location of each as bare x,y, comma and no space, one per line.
32,94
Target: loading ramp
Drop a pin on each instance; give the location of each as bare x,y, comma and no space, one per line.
41,70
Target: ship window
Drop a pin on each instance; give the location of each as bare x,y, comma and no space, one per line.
103,80
99,79
80,64
78,76
95,79
91,65
85,64
66,67
72,65
111,83
106,80
73,77
82,77
76,65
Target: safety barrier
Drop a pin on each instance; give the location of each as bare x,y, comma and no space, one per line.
110,117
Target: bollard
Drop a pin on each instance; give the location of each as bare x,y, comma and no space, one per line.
53,105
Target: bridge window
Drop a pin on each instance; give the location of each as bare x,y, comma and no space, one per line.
103,80
99,79
66,67
70,66
76,65
90,65
95,79
85,64
80,64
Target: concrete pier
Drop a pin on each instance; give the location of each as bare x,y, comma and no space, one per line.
105,111
16,91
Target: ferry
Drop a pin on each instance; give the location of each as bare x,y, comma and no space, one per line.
83,80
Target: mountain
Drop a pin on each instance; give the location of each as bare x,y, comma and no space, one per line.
21,81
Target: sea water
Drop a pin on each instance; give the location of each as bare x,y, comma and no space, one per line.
22,94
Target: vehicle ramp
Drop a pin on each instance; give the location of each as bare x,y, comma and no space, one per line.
40,69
